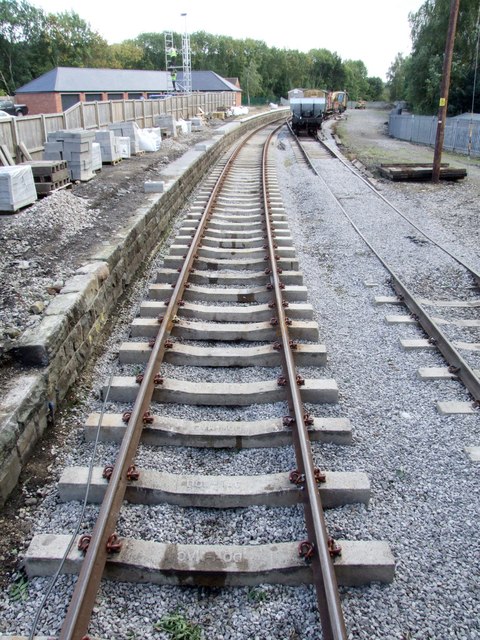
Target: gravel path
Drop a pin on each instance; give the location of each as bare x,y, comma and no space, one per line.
423,484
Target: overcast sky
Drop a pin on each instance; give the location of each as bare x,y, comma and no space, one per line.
373,31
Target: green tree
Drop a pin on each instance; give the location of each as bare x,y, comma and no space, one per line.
70,42
125,55
375,89
396,78
356,79
251,80
203,49
429,27
326,70
21,26
153,46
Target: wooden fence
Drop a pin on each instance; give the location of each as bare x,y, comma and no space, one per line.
33,130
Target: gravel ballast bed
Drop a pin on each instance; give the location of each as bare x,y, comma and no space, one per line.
423,484
400,440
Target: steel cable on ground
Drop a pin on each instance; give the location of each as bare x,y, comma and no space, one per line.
56,575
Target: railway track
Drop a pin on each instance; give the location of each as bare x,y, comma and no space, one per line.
214,362
448,318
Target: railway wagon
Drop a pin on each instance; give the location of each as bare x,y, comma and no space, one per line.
338,100
307,114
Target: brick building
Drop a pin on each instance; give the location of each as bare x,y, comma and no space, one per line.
62,87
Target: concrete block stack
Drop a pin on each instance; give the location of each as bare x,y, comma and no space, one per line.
77,151
49,175
167,123
127,130
110,146
197,124
17,187
53,151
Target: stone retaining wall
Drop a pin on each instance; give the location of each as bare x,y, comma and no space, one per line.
73,323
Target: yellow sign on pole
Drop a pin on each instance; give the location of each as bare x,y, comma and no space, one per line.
442,102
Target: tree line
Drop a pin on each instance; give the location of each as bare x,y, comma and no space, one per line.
416,78
33,42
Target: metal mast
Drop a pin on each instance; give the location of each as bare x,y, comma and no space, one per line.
186,58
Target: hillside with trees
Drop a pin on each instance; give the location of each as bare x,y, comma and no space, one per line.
33,42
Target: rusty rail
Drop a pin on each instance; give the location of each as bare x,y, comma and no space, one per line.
81,605
77,619
454,359
331,614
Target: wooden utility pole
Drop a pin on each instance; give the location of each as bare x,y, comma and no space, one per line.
442,107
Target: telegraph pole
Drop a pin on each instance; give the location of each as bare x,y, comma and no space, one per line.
442,108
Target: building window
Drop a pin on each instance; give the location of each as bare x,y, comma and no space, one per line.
115,96
93,97
69,99
135,96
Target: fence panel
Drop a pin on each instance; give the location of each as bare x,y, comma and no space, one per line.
118,111
54,122
104,113
449,138
30,131
89,114
7,136
461,135
129,110
73,117
33,130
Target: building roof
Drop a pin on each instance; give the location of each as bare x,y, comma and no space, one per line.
208,81
77,79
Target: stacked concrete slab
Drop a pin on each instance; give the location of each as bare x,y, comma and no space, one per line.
96,157
76,150
17,187
127,130
125,147
109,145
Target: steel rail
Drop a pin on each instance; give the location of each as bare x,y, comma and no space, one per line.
81,605
306,157
454,359
331,614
